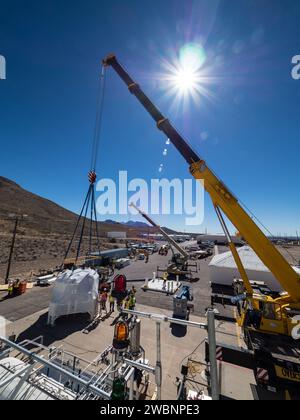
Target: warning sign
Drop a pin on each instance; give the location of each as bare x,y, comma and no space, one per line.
290,375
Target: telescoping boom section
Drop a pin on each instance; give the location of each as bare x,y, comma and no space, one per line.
162,231
222,199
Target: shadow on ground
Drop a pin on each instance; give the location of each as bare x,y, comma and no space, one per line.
178,331
64,327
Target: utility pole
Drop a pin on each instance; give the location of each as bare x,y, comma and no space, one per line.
11,250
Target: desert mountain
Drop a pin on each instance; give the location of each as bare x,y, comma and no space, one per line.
46,217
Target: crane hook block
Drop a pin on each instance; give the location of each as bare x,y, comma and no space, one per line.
92,177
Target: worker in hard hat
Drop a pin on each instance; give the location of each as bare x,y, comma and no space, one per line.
10,289
16,285
127,303
103,300
132,301
165,278
111,303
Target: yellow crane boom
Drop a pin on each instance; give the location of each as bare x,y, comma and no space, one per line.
221,197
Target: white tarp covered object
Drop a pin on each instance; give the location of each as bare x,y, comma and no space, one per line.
74,292
223,269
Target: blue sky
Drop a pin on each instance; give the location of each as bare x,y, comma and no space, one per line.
250,118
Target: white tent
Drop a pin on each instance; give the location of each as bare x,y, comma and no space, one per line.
223,269
74,292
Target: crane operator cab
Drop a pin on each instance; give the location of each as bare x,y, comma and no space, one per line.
264,311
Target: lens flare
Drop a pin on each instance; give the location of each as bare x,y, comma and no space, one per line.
192,57
187,75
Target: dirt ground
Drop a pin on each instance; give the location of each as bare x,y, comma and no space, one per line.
35,253
291,253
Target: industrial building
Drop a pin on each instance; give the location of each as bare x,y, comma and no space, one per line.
219,239
117,235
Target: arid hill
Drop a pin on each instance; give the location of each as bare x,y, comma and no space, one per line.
43,235
45,217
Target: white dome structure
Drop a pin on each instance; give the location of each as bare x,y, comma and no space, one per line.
223,269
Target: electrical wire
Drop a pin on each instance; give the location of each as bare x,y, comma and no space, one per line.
193,352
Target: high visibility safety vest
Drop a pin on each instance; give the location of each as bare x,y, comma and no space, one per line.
132,301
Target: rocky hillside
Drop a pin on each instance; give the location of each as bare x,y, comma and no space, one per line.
44,217
43,235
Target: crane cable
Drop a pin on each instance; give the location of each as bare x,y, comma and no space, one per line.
99,119
90,197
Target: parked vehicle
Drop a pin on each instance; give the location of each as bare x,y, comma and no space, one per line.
46,280
122,262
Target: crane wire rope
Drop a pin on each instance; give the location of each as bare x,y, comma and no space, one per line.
90,197
99,119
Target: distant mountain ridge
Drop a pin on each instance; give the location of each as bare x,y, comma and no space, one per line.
130,223
43,216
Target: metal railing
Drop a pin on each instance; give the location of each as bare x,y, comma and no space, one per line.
211,332
33,357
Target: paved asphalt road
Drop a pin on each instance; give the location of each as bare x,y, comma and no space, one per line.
32,301
38,298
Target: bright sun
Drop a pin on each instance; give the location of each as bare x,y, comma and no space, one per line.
185,80
185,73
187,76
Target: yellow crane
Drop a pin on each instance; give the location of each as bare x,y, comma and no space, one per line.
259,312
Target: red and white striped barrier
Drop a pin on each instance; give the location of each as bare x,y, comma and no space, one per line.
219,353
262,375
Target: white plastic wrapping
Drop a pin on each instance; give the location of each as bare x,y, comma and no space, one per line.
74,292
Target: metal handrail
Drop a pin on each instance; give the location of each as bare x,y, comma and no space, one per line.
33,356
